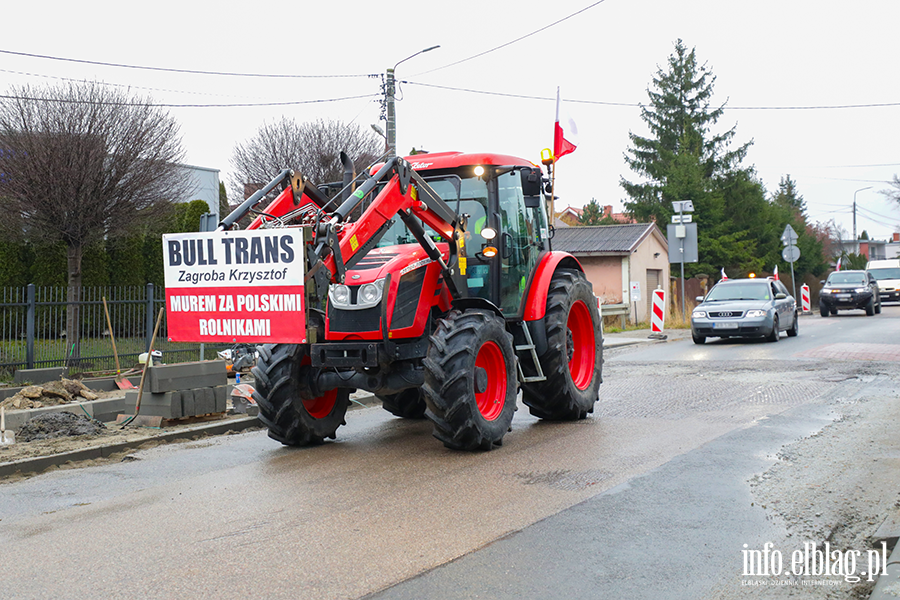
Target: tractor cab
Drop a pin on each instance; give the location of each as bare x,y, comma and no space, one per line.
504,220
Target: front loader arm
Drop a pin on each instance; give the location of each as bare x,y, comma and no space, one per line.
407,195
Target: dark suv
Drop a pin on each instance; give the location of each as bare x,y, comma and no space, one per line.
849,290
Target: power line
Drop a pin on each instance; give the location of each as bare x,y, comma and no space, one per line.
640,105
168,70
234,105
119,85
519,39
864,209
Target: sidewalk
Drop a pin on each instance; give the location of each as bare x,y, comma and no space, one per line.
642,336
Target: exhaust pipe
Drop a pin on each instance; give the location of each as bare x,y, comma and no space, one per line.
349,176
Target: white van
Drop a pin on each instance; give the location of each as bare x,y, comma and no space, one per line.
887,274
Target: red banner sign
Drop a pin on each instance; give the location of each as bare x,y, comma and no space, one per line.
235,286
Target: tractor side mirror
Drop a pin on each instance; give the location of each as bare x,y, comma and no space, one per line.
531,182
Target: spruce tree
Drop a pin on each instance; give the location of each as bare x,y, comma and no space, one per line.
592,214
680,117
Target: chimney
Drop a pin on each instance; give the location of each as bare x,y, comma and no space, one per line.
607,210
896,236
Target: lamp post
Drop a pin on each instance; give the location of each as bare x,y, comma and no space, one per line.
855,242
389,93
380,132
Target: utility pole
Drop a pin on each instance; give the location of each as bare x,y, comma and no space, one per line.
855,241
392,118
389,93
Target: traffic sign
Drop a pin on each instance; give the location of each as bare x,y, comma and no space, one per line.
791,253
682,218
788,237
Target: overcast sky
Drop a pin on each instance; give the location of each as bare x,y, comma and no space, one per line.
774,60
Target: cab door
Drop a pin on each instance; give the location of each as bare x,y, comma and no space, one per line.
521,241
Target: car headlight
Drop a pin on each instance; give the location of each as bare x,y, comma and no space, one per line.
756,313
861,290
339,295
698,314
370,294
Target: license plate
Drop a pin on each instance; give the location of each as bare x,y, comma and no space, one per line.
725,326
843,296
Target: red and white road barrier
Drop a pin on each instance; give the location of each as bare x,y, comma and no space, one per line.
804,298
658,316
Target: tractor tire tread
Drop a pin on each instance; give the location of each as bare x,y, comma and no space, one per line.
557,398
277,394
449,382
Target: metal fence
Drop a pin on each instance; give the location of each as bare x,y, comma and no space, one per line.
33,329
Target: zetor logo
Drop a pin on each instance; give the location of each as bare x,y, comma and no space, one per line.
421,165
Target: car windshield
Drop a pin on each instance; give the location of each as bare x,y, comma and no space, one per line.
886,273
846,278
739,291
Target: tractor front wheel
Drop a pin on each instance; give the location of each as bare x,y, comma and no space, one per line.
470,380
293,417
573,360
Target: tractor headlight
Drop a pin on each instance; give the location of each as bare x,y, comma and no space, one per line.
339,295
370,294
367,295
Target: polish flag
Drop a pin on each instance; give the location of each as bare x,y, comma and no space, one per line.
838,268
724,276
776,273
565,133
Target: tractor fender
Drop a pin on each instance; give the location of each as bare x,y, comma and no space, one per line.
476,302
536,301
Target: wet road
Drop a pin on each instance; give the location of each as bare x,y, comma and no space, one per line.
242,516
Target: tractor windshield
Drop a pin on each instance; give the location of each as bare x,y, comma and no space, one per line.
469,196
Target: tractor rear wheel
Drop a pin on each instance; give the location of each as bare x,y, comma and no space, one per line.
408,404
285,406
573,361
470,380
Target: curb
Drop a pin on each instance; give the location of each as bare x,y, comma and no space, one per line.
27,466
40,463
888,585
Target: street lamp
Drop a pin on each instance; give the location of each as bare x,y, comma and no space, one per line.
380,132
854,215
389,92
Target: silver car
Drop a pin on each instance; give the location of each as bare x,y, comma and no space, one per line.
745,308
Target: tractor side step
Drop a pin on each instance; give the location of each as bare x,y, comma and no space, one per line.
529,345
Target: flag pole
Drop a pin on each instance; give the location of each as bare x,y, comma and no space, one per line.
553,194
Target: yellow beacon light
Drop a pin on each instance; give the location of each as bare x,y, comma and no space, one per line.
547,157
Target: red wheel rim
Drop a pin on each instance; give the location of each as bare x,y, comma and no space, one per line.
321,407
491,400
581,361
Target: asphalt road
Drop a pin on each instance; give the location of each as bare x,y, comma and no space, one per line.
648,498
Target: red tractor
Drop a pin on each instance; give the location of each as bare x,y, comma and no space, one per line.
434,287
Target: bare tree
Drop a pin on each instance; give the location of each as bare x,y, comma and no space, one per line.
82,161
893,193
313,148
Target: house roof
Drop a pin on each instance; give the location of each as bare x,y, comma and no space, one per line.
605,239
